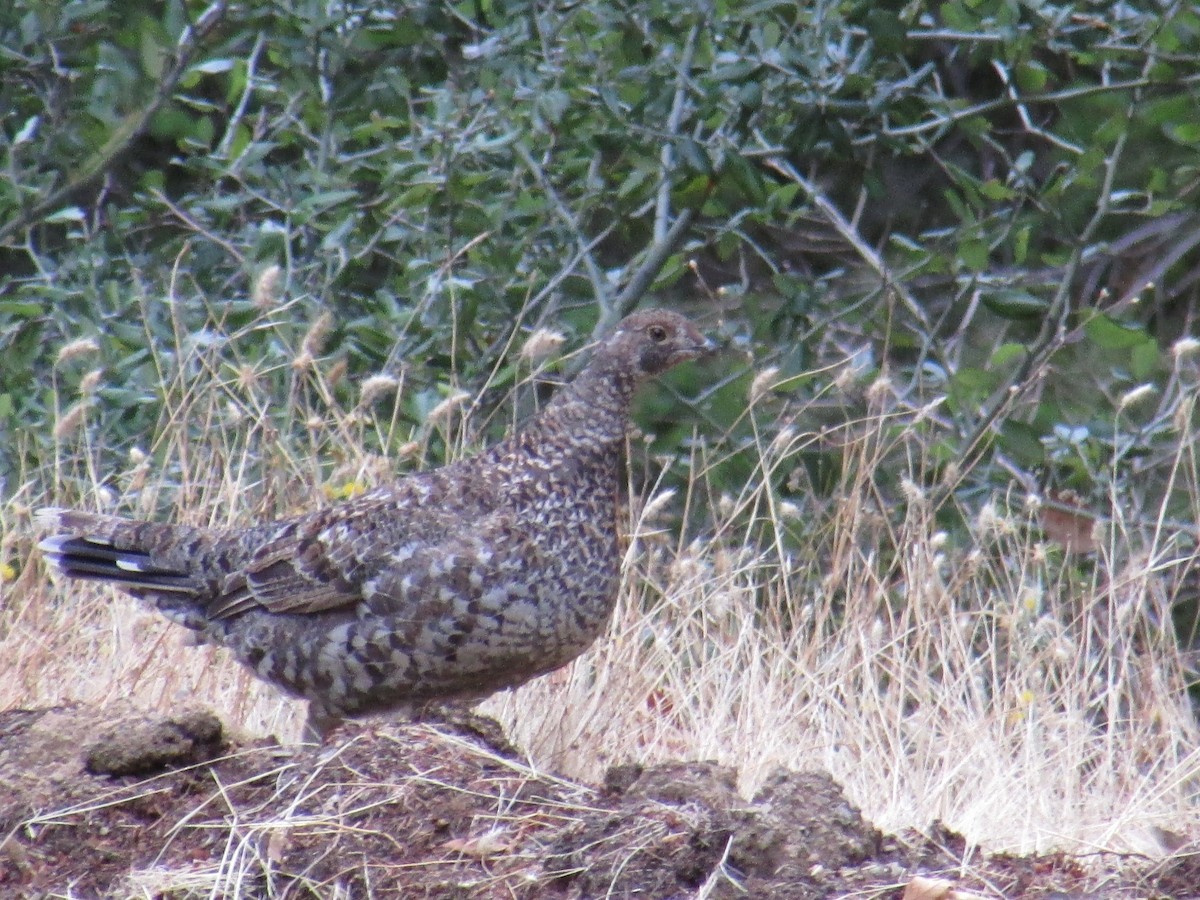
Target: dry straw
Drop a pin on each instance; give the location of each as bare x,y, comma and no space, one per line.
974,679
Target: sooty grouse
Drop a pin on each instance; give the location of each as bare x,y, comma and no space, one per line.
448,585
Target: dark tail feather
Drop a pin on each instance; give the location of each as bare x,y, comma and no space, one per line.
105,548
78,557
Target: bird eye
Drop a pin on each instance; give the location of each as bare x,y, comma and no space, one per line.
657,333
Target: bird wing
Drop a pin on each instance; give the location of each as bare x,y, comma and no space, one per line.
320,562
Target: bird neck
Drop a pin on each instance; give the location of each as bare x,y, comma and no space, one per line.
595,406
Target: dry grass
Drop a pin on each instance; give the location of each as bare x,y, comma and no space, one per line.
976,679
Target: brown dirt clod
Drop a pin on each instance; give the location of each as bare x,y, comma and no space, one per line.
115,803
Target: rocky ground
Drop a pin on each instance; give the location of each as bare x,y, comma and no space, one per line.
112,803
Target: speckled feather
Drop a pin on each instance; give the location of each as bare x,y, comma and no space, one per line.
447,585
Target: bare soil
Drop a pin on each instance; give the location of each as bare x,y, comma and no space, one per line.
116,803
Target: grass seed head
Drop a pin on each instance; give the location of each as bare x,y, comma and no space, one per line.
447,407
76,349
337,372
542,344
317,335
879,390
375,387
89,382
267,288
762,384
912,491
71,420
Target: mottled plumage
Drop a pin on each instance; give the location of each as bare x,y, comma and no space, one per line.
447,585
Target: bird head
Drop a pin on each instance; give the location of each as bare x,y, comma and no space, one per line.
652,341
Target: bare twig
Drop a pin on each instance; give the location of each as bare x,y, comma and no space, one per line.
998,103
129,128
190,221
595,276
644,276
239,113
666,239
662,211
852,237
1052,334
1023,113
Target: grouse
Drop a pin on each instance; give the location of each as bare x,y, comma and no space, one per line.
446,586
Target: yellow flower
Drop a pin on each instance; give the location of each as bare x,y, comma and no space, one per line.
345,491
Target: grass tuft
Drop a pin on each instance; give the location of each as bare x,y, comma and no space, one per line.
944,663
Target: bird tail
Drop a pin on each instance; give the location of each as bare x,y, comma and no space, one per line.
141,557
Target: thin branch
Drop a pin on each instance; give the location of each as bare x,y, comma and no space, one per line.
662,210
239,112
191,222
582,254
1052,334
999,103
595,276
644,276
1023,113
851,237
127,130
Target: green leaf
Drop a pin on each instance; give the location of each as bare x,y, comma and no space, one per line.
1109,334
1144,359
1184,132
886,30
970,386
1007,354
632,182
67,214
1015,304
693,155
671,271
1023,442
213,66
976,126
327,199
152,52
747,177
171,123
994,190
973,254
28,130
693,192
783,196
1021,244
22,309
1031,76
241,140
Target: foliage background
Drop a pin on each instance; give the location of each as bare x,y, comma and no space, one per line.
977,224
994,202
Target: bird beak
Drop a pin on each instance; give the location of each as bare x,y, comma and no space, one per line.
701,347
705,346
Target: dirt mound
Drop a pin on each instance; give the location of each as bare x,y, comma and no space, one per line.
113,803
